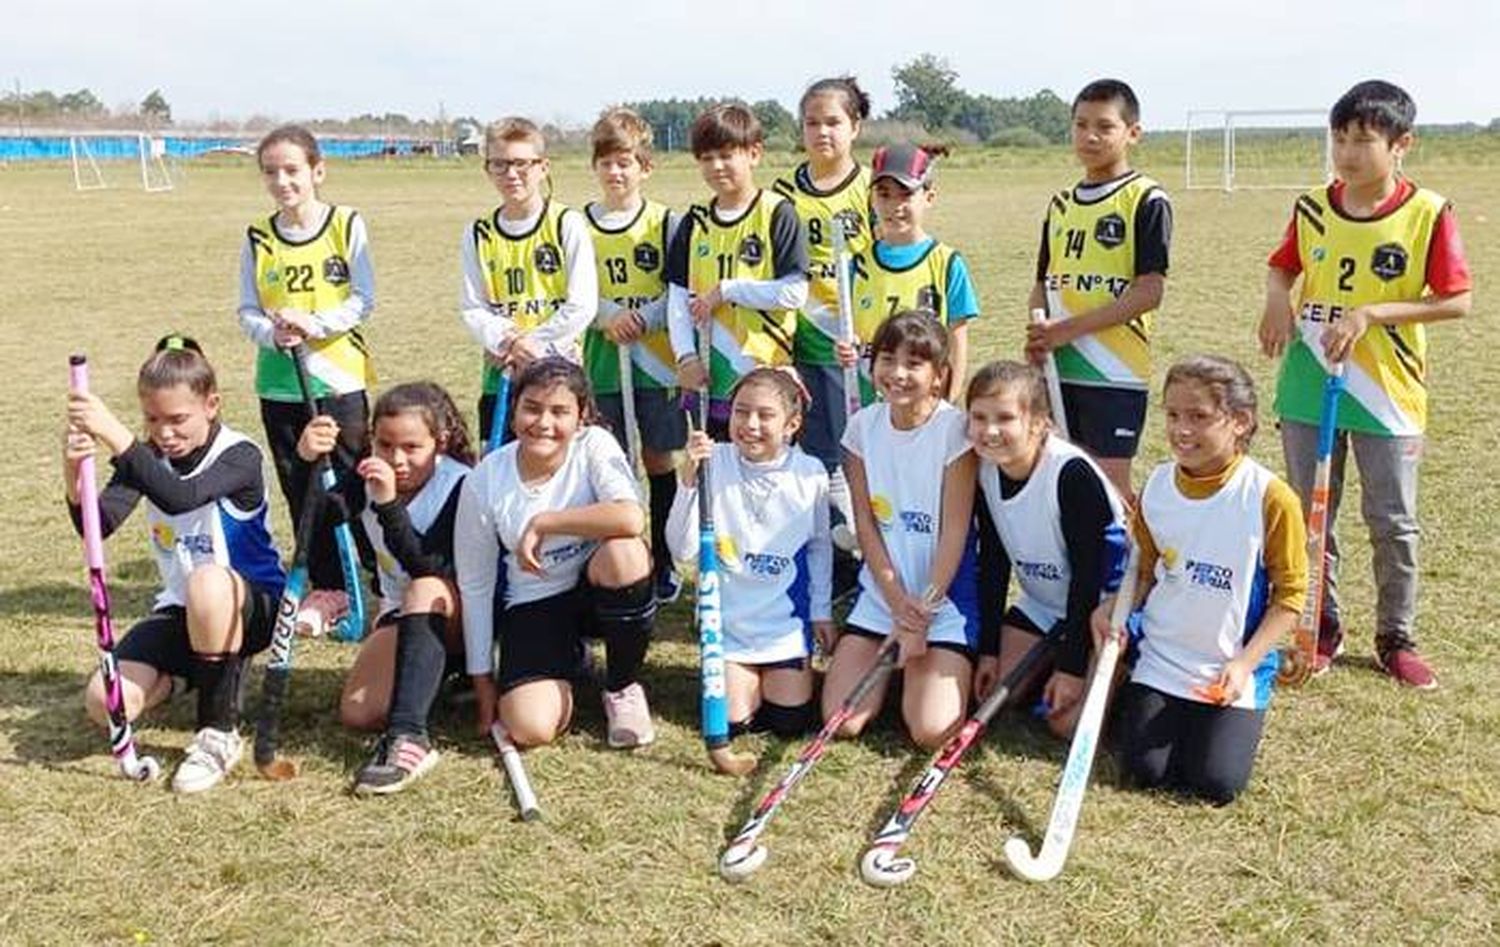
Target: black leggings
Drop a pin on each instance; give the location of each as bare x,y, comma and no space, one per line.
1196,748
284,421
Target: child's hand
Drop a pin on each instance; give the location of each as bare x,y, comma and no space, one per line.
691,375
1340,335
1062,692
380,479
1043,337
525,350
826,634
1099,624
485,700
909,645
625,328
847,353
528,548
702,307
986,675
320,437
699,446
911,613
1277,325
76,446
290,328
1229,685
88,415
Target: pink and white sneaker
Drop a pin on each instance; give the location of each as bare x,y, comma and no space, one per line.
321,610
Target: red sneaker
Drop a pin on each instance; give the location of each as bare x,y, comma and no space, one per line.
1409,668
1330,646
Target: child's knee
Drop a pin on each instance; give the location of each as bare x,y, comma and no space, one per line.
428,593
93,701
210,585
619,562
930,735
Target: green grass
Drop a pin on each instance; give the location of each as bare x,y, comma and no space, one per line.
1373,816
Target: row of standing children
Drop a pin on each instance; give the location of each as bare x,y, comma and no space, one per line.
741,262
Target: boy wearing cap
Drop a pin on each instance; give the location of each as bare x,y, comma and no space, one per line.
1100,276
906,268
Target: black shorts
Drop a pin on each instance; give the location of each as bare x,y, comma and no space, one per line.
953,646
658,414
543,640
161,638
1106,422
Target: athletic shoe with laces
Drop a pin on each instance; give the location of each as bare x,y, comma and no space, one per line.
210,757
320,611
1330,646
1409,668
398,761
629,717
668,587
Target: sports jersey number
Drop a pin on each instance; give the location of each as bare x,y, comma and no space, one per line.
1074,245
814,230
1346,274
895,302
299,278
726,265
615,267
515,280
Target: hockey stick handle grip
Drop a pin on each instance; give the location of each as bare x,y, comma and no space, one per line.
515,771
88,489
268,726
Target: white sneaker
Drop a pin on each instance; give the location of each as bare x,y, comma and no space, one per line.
629,717
210,757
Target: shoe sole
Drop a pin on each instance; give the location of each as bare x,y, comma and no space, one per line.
423,768
614,744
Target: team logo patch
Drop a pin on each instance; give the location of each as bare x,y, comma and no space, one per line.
881,507
1389,261
752,251
929,299
163,536
335,271
1319,254
702,250
1109,232
850,221
547,259
729,553
647,258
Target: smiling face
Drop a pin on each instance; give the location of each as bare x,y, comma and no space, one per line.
908,380
404,441
290,178
760,424
1203,435
517,168
900,211
1102,139
730,171
178,419
547,416
828,132
1005,432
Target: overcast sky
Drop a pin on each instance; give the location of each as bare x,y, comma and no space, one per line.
562,60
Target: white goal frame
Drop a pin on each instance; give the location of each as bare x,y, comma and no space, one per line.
156,174
1228,120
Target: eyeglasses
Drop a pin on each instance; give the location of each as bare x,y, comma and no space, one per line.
502,165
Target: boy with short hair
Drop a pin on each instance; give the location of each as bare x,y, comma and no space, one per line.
1100,276
740,260
1379,257
631,236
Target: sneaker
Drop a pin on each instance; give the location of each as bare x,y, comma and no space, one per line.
1409,668
629,717
1330,646
210,757
668,587
321,610
398,762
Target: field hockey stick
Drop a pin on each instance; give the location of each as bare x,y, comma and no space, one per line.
882,865
510,758
627,399
842,263
1297,661
121,737
1054,384
714,707
501,413
1048,861
744,855
352,626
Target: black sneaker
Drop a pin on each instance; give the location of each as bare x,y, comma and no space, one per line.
398,762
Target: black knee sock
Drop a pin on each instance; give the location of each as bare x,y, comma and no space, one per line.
663,491
420,656
624,618
217,678
785,720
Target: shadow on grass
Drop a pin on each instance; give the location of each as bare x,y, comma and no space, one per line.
71,600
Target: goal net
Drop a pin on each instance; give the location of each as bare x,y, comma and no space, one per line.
139,156
1250,149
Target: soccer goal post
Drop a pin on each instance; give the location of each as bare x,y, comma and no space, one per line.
86,173
1257,149
138,152
155,175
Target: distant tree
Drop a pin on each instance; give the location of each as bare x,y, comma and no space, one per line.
927,91
154,108
779,124
83,103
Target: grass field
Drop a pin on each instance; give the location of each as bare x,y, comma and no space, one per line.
1373,816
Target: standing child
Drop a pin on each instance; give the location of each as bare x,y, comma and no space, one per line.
830,189
529,286
1223,572
221,576
306,278
631,236
420,453
770,506
911,475
1046,513
1100,275
907,269
1379,257
548,552
737,266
